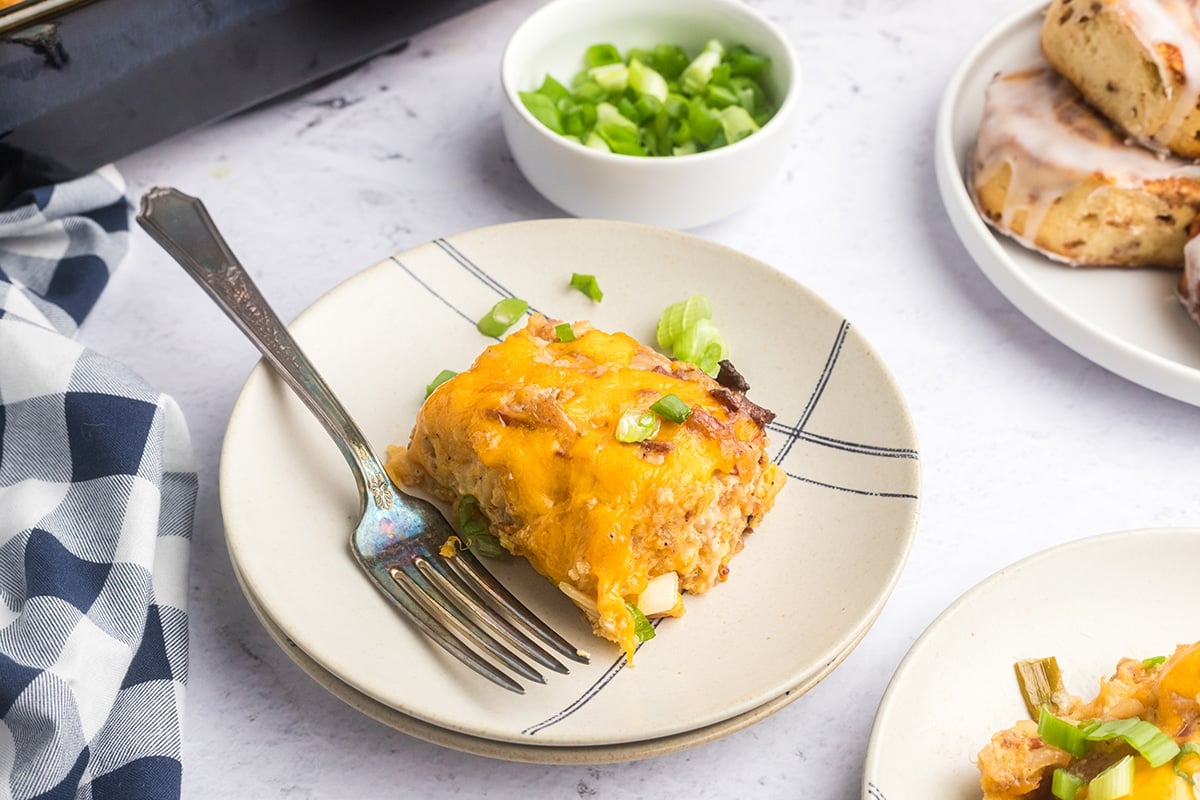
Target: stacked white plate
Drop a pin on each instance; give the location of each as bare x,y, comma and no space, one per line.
803,593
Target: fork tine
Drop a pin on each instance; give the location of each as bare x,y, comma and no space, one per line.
476,574
452,585
415,611
183,227
409,577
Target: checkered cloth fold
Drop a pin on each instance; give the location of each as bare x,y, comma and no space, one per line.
97,491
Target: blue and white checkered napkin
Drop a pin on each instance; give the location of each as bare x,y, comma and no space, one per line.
97,491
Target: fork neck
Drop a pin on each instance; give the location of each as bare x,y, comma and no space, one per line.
182,226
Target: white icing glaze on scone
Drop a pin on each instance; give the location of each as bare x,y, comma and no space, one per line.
1037,124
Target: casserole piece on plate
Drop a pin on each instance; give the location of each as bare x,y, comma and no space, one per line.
531,431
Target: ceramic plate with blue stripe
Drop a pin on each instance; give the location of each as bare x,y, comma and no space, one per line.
809,583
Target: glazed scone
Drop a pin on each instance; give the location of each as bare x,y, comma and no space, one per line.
1137,61
1050,172
530,431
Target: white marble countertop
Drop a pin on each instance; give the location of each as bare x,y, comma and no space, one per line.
1024,444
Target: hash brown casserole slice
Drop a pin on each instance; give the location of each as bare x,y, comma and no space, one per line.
529,431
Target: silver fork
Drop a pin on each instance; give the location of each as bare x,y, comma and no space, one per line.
454,600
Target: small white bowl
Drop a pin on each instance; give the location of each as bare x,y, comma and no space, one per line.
671,191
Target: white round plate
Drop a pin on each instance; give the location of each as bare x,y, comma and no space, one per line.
810,582
1089,603
1126,320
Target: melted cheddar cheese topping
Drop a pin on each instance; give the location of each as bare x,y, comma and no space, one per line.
1158,783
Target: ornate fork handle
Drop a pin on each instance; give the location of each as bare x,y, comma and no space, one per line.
181,224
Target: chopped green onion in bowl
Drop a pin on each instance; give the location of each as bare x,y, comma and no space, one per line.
600,54
657,101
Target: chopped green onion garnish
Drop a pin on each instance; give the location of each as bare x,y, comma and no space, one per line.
702,345
671,407
438,380
1151,663
1039,680
686,330
1188,749
588,285
488,546
636,426
502,316
1060,733
1114,782
677,317
1066,785
1148,739
564,332
474,528
470,518
642,628
657,101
